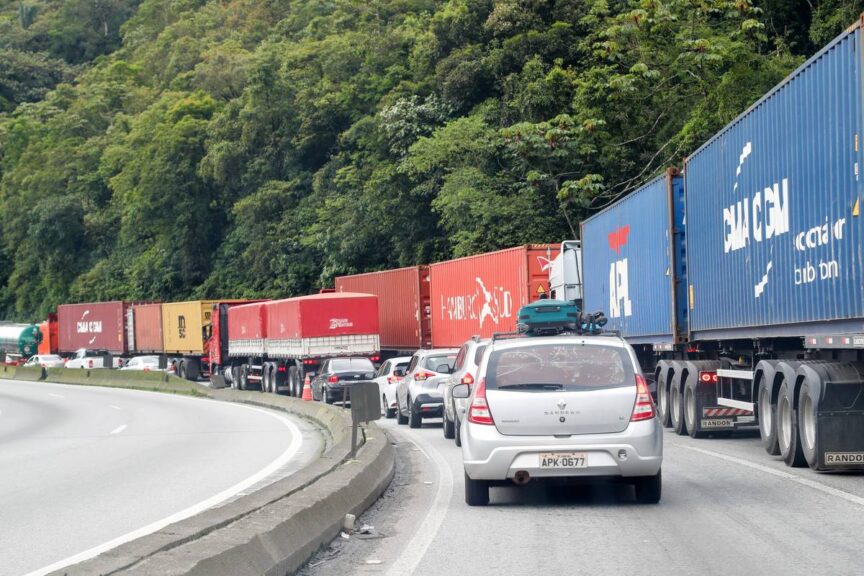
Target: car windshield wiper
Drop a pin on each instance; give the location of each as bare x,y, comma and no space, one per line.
532,386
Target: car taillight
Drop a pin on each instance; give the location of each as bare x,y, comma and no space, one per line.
479,412
393,379
467,379
644,408
708,377
374,358
332,379
422,376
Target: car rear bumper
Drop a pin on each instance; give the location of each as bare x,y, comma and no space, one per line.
429,405
490,455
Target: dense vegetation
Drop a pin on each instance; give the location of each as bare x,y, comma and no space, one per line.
164,149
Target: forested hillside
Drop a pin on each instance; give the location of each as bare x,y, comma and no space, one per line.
164,149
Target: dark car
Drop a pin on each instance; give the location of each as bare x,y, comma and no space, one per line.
333,382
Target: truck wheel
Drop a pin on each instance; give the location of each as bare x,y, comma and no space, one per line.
808,431
676,407
767,419
193,369
649,488
292,382
244,377
265,377
476,492
414,418
181,369
663,399
692,409
787,430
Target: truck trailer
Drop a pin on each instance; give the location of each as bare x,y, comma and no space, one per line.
274,345
740,282
404,310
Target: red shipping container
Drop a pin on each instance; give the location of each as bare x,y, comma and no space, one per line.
403,304
96,326
322,315
147,333
482,294
247,322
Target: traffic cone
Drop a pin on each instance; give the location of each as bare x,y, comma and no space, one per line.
307,389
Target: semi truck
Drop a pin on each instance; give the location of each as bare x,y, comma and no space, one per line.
275,344
19,341
740,280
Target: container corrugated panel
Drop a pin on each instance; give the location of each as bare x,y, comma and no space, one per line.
147,322
774,215
403,312
322,315
627,256
247,329
95,326
183,326
482,294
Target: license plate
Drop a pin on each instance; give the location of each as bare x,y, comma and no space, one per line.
563,460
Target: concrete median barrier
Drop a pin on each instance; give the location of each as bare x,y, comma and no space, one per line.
272,531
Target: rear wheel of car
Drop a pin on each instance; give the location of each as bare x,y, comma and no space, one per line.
448,427
400,417
388,412
649,488
476,492
414,417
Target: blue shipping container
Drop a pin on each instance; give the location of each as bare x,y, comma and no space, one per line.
775,219
629,253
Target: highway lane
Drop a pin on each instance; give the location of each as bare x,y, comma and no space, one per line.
727,508
84,469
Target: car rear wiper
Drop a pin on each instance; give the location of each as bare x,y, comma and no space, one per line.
532,386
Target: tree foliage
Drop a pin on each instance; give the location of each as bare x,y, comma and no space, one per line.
164,149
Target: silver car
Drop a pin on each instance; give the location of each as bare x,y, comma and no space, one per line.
420,394
464,372
560,407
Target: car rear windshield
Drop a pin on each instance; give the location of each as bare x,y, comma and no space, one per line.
559,367
403,366
478,354
433,362
348,364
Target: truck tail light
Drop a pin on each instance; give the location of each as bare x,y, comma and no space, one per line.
374,358
644,407
708,377
467,379
280,369
479,412
333,379
309,362
422,376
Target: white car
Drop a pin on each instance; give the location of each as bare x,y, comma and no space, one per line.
420,394
145,363
45,361
388,377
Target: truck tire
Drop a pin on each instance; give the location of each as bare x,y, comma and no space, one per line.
293,379
663,377
476,492
808,400
767,407
676,406
787,429
193,369
692,409
181,369
244,377
649,488
265,377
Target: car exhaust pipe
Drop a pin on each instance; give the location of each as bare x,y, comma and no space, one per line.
522,477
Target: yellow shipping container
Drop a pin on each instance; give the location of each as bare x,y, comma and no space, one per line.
185,326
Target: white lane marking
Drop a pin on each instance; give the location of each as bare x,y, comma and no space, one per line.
114,407
118,429
781,474
55,395
288,454
413,553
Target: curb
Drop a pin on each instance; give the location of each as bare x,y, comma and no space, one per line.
272,531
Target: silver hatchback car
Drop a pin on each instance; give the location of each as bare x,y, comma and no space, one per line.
560,407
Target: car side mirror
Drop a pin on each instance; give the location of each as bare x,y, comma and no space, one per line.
399,373
461,391
443,369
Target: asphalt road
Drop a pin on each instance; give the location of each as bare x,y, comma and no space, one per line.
727,508
85,469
